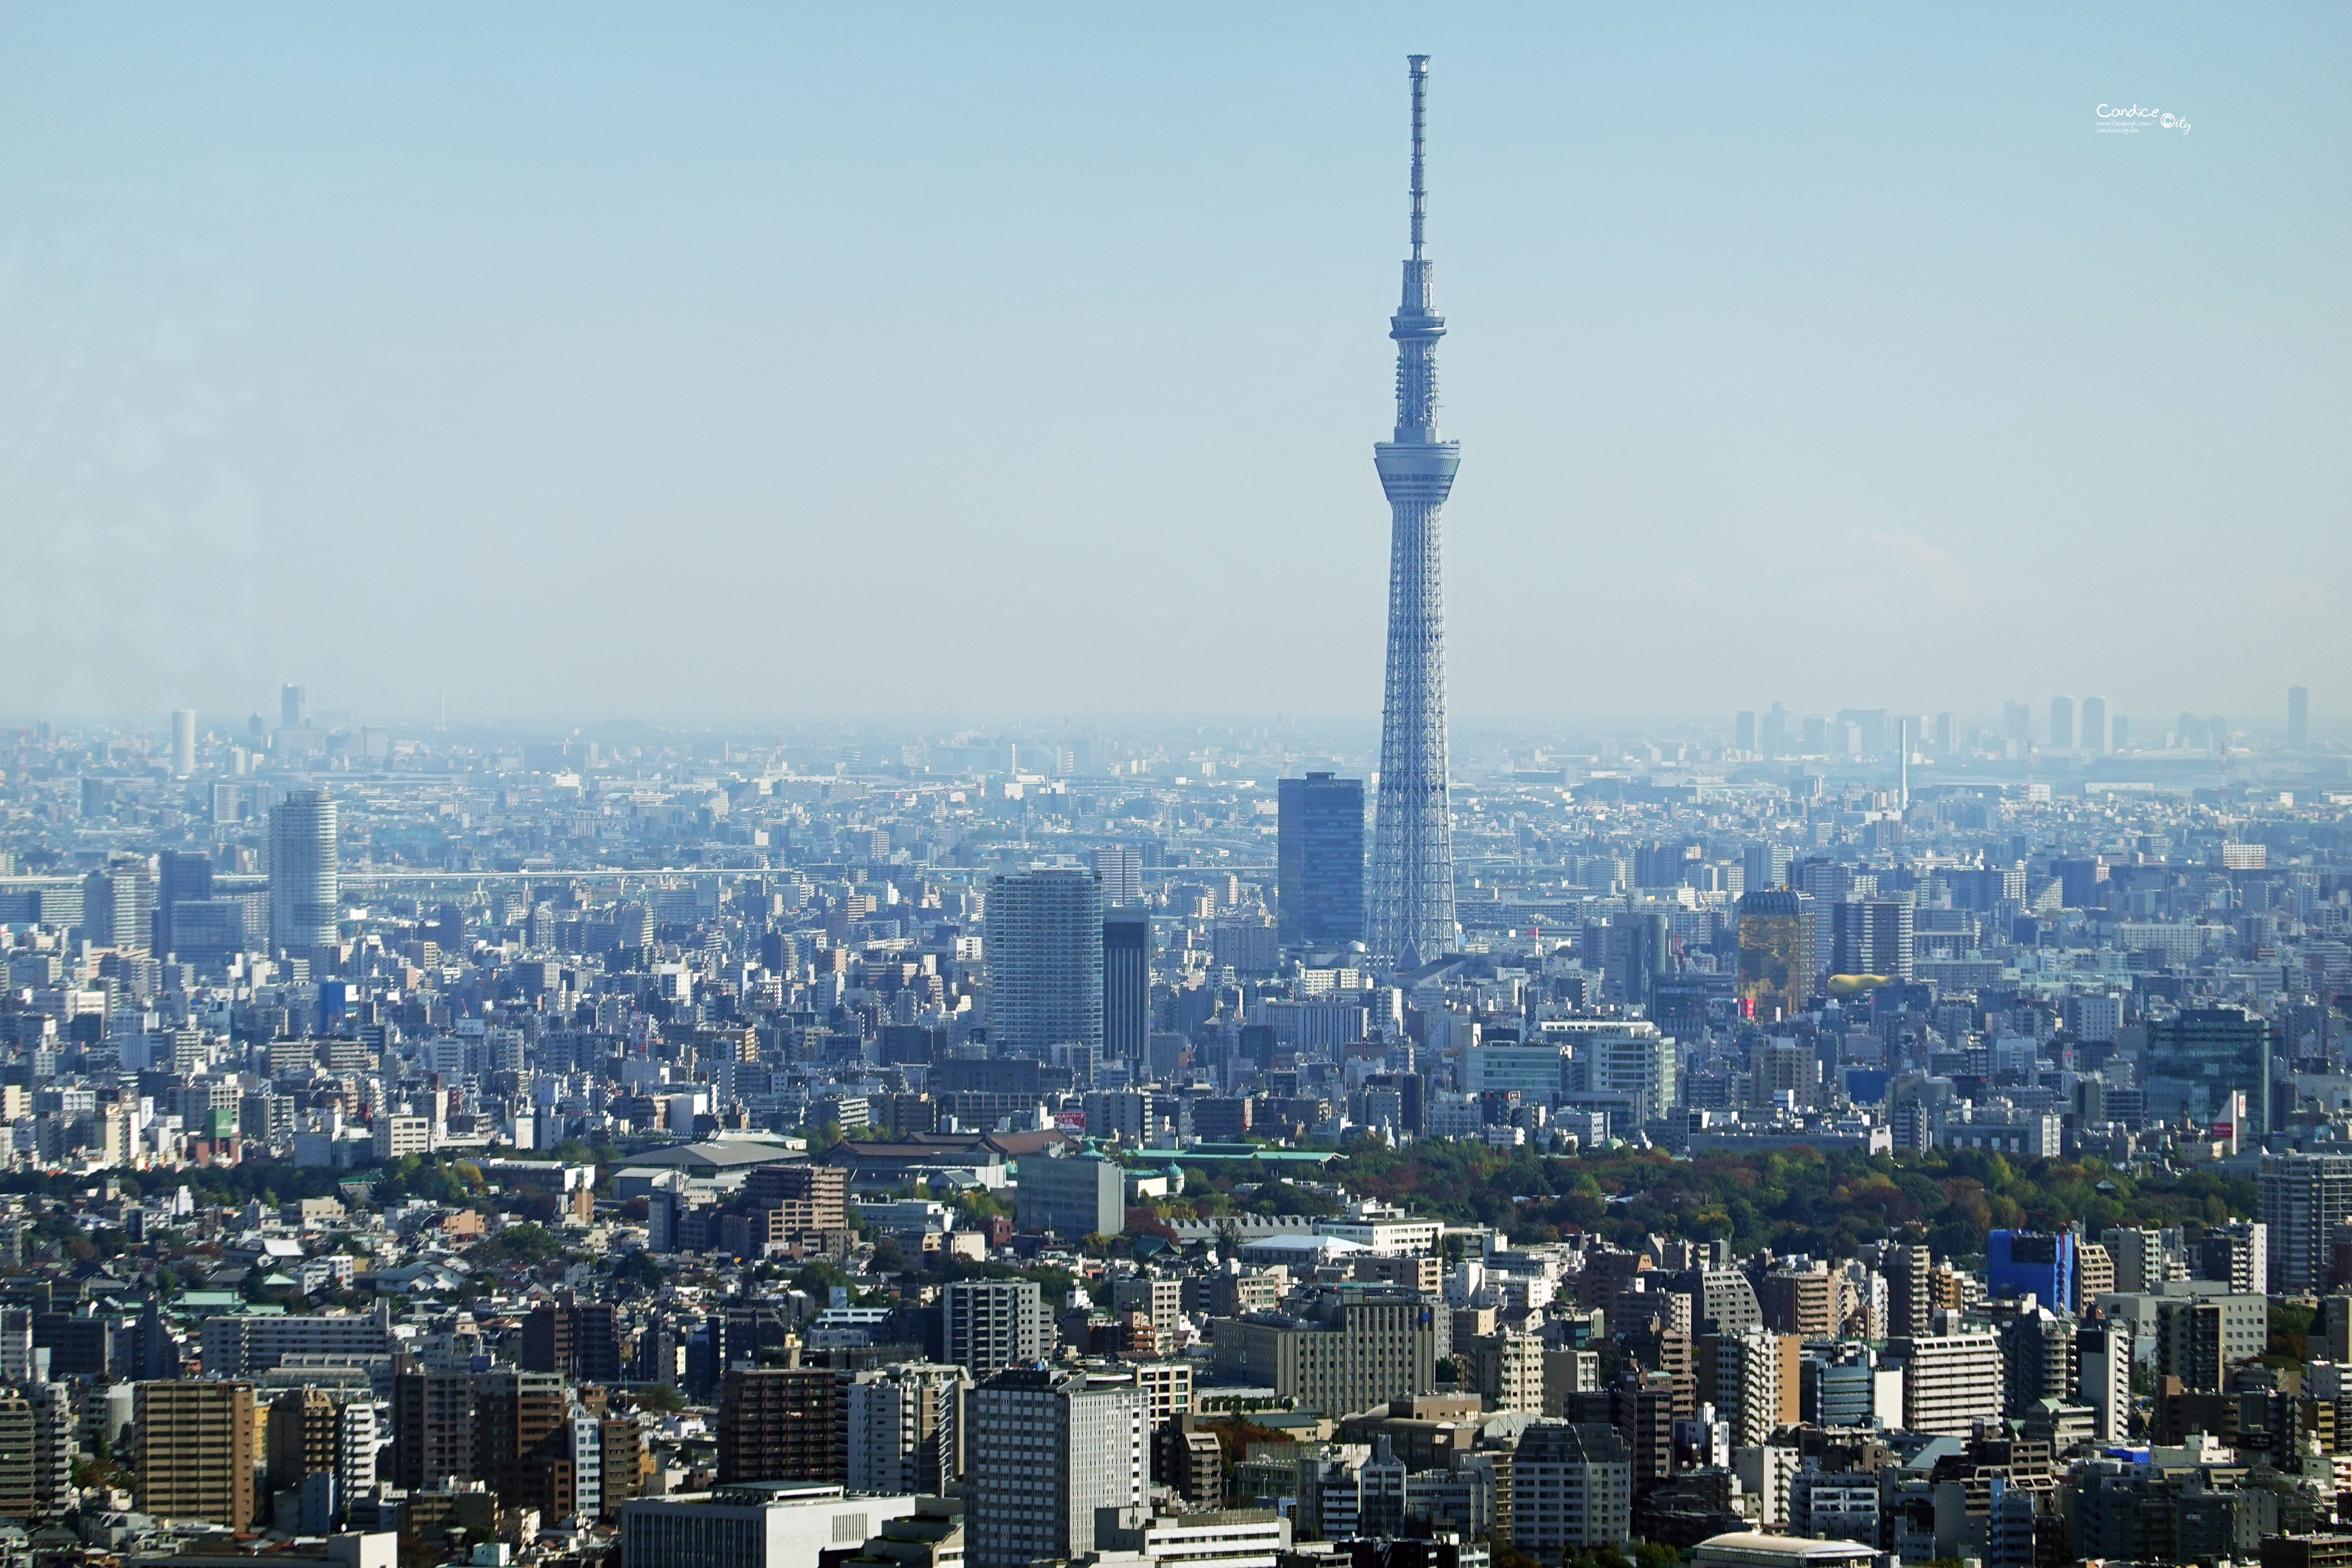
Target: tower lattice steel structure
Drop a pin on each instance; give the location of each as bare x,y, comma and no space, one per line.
1411,895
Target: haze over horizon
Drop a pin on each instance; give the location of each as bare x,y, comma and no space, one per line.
800,365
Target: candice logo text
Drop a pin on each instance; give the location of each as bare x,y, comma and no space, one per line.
2118,120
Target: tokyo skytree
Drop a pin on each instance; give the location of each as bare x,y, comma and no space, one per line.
1411,895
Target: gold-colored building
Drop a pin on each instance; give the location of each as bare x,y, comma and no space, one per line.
195,1448
1776,952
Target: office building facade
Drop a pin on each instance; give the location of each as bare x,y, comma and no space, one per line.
1127,985
1048,1448
1072,1196
1319,861
1356,1355
2201,1060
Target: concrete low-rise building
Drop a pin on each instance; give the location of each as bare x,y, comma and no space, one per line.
779,1525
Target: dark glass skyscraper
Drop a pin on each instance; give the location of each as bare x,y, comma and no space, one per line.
1319,861
186,876
1127,985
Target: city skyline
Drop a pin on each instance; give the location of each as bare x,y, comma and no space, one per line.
1767,354
719,844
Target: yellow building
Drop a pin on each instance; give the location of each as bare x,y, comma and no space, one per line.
197,1450
1776,952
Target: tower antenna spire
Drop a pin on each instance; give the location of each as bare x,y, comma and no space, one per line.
1420,63
1410,902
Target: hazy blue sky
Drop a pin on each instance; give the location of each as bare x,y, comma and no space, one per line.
973,360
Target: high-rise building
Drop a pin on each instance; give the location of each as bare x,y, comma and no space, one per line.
1119,868
1867,731
305,877
1048,1448
186,877
1635,950
1763,868
1319,861
293,707
2189,1343
1872,936
2038,1351
356,1434
1751,1376
2017,722
1506,1368
1776,952
305,1429
1411,912
2137,1259
2062,723
907,1428
2102,1367
2237,1253
778,1423
184,742
432,1429
2094,1276
1043,950
987,1325
574,1338
2199,1059
36,1451
2303,1197
196,1443
1127,985
2094,725
119,905
1907,1296
1950,1381
520,1433
1572,1486
2298,718
1801,1301
621,1456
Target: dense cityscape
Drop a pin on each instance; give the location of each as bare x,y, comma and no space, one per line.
1939,1143
1779,1140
